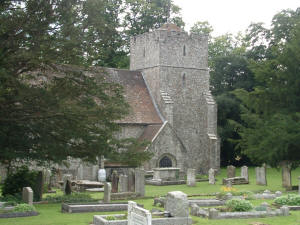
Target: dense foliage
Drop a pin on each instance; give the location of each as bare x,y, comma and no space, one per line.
24,208
239,205
72,198
14,183
271,111
291,199
49,112
255,80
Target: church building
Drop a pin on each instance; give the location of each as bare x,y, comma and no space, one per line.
167,88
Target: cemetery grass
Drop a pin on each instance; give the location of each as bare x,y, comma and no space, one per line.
50,214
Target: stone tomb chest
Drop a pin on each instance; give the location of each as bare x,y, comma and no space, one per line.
167,173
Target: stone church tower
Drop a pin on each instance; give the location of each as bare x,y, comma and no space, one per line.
175,69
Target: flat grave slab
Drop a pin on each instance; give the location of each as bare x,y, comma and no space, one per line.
93,207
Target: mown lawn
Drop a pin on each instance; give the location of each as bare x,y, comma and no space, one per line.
50,214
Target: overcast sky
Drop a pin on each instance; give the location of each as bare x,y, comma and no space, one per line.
232,15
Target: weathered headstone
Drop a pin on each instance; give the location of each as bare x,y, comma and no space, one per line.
261,178
65,178
140,182
47,176
123,183
80,172
213,213
286,176
211,176
229,184
101,175
131,180
107,192
114,182
244,172
138,215
68,189
230,171
177,204
27,195
191,177
285,210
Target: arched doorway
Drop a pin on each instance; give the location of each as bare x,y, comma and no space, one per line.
165,162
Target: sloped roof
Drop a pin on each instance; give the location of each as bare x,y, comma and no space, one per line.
137,95
150,132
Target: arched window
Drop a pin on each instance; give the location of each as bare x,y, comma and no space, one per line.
184,51
165,162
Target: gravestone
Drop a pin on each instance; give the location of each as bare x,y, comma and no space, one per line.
27,195
65,178
138,215
177,204
286,176
229,183
131,180
123,183
68,189
107,192
140,182
47,178
244,172
80,172
211,176
191,177
114,182
230,171
261,178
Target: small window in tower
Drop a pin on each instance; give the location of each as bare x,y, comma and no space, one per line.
144,52
183,80
184,51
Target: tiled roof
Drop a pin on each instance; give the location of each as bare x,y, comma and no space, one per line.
150,132
137,95
170,27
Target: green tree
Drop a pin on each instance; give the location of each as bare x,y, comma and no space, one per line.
271,110
143,15
58,111
202,28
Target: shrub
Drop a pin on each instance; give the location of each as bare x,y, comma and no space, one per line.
239,205
261,208
10,203
246,194
291,199
17,198
110,218
14,183
24,208
72,198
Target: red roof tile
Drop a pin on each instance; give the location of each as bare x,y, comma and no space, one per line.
137,95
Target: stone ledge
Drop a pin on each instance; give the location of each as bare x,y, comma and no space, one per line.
164,182
19,214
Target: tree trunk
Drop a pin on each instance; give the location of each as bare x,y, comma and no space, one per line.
286,175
